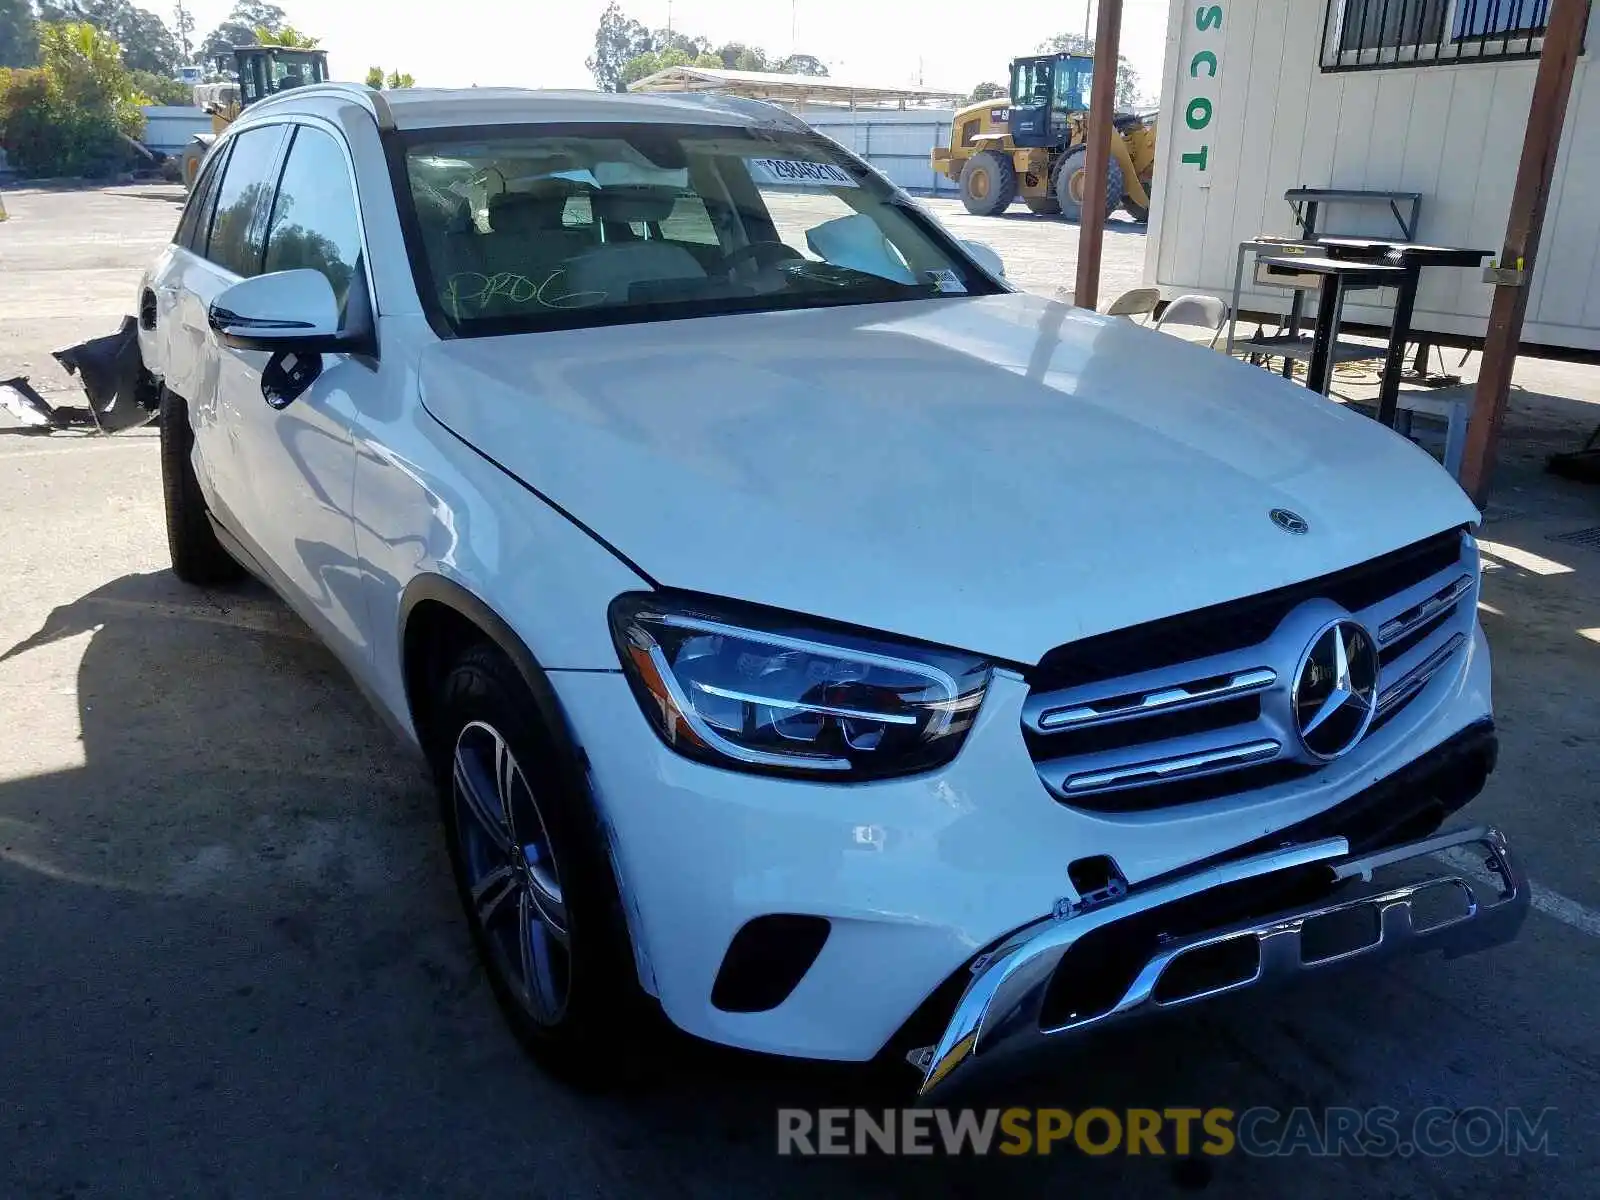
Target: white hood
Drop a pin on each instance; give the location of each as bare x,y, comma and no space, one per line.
1000,474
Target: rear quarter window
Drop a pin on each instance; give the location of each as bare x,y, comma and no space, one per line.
195,224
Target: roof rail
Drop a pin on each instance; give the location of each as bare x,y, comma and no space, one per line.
369,99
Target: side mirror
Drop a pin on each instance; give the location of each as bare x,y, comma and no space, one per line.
294,311
986,257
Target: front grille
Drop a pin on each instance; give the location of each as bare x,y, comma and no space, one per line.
1198,706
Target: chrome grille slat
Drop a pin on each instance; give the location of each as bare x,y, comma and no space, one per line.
1164,699
1418,615
1232,710
1182,767
1417,678
1403,667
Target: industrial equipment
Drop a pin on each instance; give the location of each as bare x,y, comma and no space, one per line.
1033,147
257,72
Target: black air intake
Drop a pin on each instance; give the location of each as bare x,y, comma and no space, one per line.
766,961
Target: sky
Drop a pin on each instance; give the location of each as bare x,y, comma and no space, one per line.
950,45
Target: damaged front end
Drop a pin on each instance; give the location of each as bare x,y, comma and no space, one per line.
1275,916
122,394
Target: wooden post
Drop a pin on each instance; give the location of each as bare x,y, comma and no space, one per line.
1102,107
1563,37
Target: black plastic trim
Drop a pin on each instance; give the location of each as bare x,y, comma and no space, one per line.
766,961
452,595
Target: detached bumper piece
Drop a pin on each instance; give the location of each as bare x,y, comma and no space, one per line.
1153,949
121,393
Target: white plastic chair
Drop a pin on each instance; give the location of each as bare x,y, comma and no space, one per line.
1203,312
1140,302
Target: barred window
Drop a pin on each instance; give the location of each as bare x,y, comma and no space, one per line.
1397,33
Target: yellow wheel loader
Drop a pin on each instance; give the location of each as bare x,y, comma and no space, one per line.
1033,147
258,72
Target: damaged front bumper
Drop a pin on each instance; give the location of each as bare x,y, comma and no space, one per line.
1033,990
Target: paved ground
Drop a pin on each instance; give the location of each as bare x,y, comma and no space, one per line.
233,966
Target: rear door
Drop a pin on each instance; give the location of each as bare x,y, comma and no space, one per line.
229,249
169,347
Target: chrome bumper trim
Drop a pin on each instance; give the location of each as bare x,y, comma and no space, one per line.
1000,1015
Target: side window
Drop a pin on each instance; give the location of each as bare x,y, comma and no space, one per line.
314,223
196,220
245,191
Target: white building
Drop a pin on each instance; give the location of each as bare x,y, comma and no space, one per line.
1427,96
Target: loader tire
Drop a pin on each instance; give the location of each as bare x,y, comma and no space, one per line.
1044,206
1070,184
1140,212
988,183
197,556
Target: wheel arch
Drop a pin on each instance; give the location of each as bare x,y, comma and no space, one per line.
438,619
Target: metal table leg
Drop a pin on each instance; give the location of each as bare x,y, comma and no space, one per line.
1319,374
1238,287
1395,361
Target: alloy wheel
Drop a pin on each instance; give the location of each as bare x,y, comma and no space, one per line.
512,879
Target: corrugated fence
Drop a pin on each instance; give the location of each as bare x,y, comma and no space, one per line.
896,141
169,128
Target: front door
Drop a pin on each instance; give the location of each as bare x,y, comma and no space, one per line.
298,462
210,376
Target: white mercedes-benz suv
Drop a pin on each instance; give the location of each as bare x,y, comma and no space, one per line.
814,639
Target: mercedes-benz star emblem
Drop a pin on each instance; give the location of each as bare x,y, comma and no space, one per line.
1336,689
1289,522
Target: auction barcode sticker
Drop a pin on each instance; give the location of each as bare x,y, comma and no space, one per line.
798,173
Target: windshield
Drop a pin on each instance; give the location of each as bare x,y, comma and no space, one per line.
1030,82
1073,77
561,227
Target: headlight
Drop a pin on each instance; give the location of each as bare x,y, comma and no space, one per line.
759,691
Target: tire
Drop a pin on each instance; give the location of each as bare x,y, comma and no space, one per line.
988,183
1069,184
1044,206
1140,212
578,1009
197,556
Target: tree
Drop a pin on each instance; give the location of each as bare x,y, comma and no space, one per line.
801,64
183,30
736,56
1076,43
988,91
19,35
162,89
649,63
70,115
147,44
671,39
377,80
618,40
239,28
288,36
